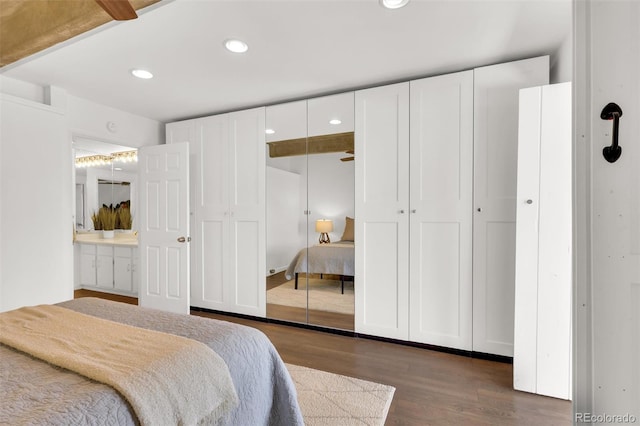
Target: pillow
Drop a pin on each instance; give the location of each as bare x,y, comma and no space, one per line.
348,234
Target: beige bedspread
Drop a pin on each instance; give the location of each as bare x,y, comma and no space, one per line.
167,379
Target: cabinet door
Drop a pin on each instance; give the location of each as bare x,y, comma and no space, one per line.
122,269
496,90
441,187
104,269
247,244
210,285
542,346
87,265
382,211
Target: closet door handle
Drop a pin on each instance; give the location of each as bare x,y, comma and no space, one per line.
413,210
612,112
401,212
529,201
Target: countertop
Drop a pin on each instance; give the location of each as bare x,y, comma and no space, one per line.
120,239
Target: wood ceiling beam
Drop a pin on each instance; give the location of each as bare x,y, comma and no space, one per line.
336,142
28,27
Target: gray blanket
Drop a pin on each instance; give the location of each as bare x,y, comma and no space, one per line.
35,392
335,258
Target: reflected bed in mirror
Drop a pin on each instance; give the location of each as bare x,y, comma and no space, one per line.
308,180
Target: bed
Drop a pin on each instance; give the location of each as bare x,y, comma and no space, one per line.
331,259
35,392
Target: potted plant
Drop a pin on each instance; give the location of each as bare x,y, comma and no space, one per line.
96,221
107,218
124,218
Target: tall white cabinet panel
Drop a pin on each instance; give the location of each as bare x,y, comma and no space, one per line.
247,244
542,340
382,211
228,210
441,187
210,283
496,90
104,266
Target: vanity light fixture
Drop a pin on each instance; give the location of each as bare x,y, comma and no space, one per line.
235,46
335,121
143,74
104,160
393,4
93,161
125,156
269,131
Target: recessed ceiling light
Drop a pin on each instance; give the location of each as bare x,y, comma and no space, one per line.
393,4
335,121
236,46
142,74
269,131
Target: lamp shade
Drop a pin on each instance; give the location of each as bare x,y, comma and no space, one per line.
324,225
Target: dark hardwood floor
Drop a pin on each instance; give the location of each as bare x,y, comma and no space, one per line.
432,388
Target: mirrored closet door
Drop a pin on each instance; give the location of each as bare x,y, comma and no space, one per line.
310,211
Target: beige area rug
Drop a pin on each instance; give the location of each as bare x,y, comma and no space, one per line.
324,295
331,399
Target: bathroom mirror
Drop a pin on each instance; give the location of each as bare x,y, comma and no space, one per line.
109,183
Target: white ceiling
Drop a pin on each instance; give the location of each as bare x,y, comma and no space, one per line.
297,49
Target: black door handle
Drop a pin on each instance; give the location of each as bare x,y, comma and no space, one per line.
612,112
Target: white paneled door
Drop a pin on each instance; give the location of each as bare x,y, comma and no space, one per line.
441,186
164,227
496,94
382,206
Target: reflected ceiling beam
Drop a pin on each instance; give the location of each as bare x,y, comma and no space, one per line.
28,27
323,144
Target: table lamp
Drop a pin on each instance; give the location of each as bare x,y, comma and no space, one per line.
324,226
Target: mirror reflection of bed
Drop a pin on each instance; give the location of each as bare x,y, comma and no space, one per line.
310,199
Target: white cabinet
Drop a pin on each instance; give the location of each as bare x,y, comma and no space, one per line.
414,162
125,275
542,339
496,94
440,206
382,211
87,265
435,173
104,266
109,268
227,174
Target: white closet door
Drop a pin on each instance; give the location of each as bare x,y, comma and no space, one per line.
247,246
210,284
542,347
441,187
382,211
495,158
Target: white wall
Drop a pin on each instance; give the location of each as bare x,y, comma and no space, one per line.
37,210
36,222
89,119
607,197
561,63
331,188
283,213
